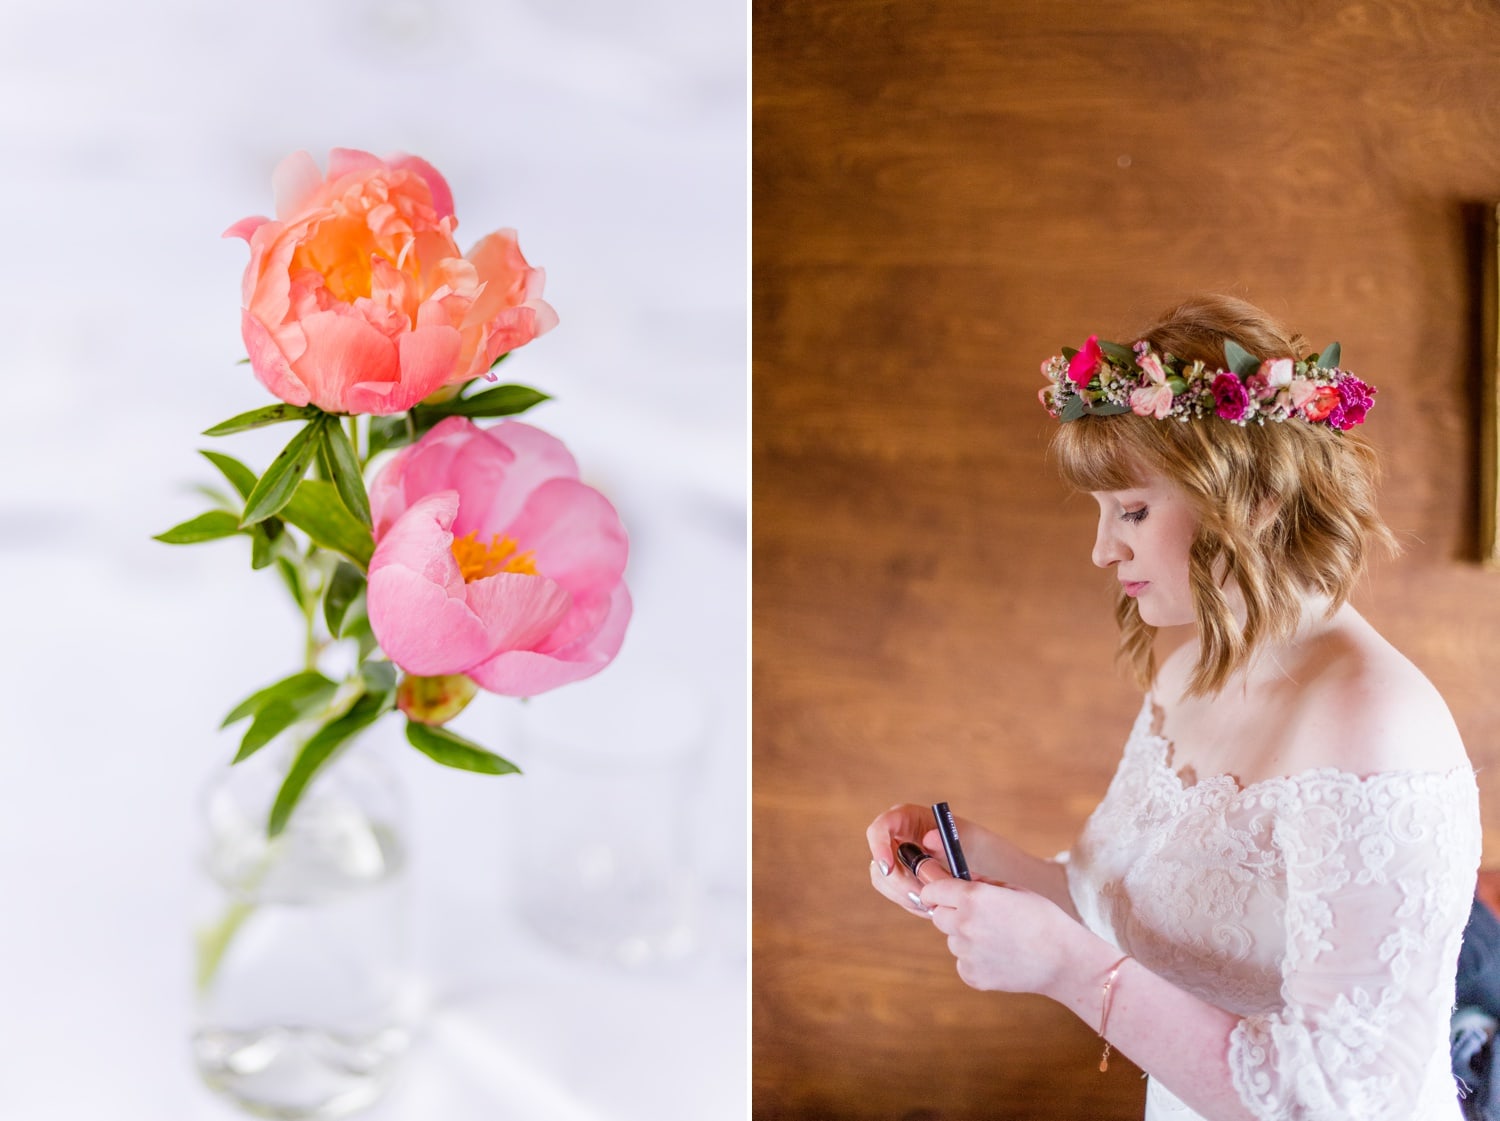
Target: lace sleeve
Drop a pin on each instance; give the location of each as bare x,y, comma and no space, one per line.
1379,877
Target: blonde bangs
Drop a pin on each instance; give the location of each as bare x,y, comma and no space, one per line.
1099,453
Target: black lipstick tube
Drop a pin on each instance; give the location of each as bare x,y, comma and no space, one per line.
948,831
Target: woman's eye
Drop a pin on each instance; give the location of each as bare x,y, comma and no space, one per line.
1135,515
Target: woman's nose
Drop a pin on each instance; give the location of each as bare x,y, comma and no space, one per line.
1108,548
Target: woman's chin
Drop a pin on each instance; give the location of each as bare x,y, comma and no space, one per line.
1154,615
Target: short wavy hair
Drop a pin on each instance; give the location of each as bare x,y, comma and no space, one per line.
1283,508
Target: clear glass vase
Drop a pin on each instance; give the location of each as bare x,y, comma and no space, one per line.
302,944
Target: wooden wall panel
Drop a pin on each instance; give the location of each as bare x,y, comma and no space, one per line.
944,195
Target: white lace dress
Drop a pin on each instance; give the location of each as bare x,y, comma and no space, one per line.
1324,908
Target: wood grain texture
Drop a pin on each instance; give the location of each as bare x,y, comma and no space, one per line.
944,195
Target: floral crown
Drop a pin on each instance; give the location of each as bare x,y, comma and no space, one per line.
1105,378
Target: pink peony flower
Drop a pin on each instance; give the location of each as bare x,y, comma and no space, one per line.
1151,366
492,560
1083,365
357,299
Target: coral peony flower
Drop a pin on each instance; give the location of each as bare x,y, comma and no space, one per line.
1083,365
492,560
358,300
1230,397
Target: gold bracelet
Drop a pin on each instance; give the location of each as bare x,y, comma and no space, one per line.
1108,1000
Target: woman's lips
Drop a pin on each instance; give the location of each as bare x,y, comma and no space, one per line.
1134,587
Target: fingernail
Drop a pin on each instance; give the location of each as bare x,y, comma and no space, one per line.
885,869
916,899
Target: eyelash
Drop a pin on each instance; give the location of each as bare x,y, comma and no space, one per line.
1135,516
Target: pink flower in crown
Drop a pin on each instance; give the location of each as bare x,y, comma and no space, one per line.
494,561
358,300
1083,365
1354,400
1231,400
1274,374
1155,398
1277,372
1314,401
1152,400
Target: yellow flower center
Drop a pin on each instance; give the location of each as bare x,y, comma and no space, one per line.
476,560
340,252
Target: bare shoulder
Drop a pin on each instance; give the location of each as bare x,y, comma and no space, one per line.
1365,708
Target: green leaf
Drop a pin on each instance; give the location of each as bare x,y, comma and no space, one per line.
452,750
1070,352
276,716
304,684
1108,409
1329,359
357,626
344,587
502,400
325,464
379,677
343,468
260,546
292,577
1241,361
205,527
1117,350
1073,409
236,472
317,510
316,751
276,486
259,418
388,432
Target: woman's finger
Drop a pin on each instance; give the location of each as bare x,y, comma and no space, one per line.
893,890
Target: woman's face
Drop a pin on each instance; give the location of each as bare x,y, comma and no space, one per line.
1144,535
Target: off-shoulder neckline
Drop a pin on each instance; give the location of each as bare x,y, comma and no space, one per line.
1162,744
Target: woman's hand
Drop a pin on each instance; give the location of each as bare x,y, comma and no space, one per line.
900,823
1004,938
990,857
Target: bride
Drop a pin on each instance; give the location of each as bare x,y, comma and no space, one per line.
1264,912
